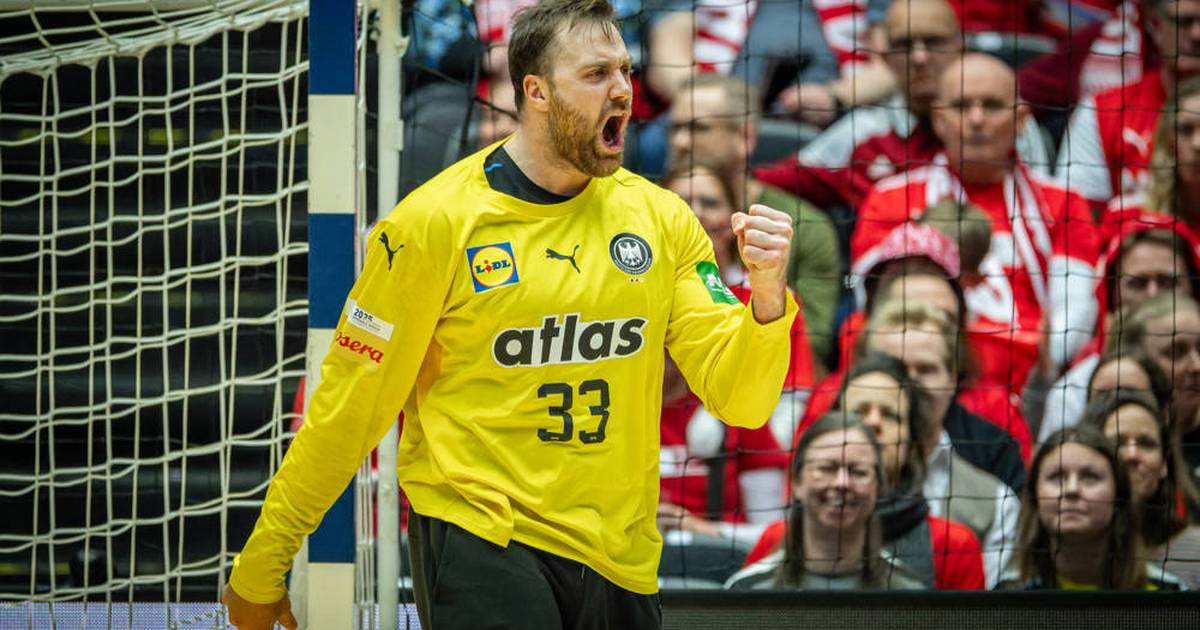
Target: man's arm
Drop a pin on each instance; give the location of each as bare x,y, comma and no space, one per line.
735,357
1082,166
366,377
1071,286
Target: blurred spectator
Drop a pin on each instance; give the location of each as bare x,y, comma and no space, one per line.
717,480
1113,49
791,51
921,264
921,38
1167,328
1108,146
1175,166
1079,528
1165,499
1005,16
1147,255
1038,288
1119,367
1132,370
717,121
942,553
956,485
833,536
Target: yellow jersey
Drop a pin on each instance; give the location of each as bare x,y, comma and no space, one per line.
524,343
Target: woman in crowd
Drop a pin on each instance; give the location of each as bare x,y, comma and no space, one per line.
1129,369
1078,528
1165,501
720,481
1123,368
833,540
1148,254
1174,187
942,553
1167,328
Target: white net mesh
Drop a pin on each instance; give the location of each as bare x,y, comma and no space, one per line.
152,288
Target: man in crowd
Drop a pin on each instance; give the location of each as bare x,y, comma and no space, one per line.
1107,147
1037,286
871,142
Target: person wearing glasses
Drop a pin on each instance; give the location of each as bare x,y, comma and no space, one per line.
919,39
1147,255
833,540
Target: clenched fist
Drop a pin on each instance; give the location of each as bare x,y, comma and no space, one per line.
764,237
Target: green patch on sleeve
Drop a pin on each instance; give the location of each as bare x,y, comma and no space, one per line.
711,277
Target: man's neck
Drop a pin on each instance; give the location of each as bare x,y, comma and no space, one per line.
532,152
983,174
833,550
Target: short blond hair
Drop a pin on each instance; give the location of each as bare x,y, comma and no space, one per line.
899,312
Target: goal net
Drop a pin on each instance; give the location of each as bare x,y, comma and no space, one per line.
153,292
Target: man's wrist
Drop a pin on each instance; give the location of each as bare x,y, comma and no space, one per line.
768,306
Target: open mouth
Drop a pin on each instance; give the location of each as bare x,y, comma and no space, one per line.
613,132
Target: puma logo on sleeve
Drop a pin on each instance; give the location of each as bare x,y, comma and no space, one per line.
387,247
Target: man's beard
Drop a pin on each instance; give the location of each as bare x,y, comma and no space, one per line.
575,140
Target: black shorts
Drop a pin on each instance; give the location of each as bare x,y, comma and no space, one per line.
463,581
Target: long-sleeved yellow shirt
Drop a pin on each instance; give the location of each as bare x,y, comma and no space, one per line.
524,344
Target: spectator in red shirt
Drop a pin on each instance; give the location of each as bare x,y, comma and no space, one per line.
1147,254
1038,288
1174,184
1111,137
872,142
942,553
921,264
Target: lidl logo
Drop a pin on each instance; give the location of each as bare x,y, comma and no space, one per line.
492,266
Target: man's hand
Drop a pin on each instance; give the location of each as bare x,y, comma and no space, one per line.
246,615
764,242
812,103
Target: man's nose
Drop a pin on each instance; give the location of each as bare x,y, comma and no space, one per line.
918,53
622,87
975,113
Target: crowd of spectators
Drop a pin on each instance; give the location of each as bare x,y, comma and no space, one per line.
996,375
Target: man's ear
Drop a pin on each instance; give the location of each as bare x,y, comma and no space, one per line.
751,134
537,92
1022,115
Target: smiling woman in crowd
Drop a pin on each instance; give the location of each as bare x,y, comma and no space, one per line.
833,538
